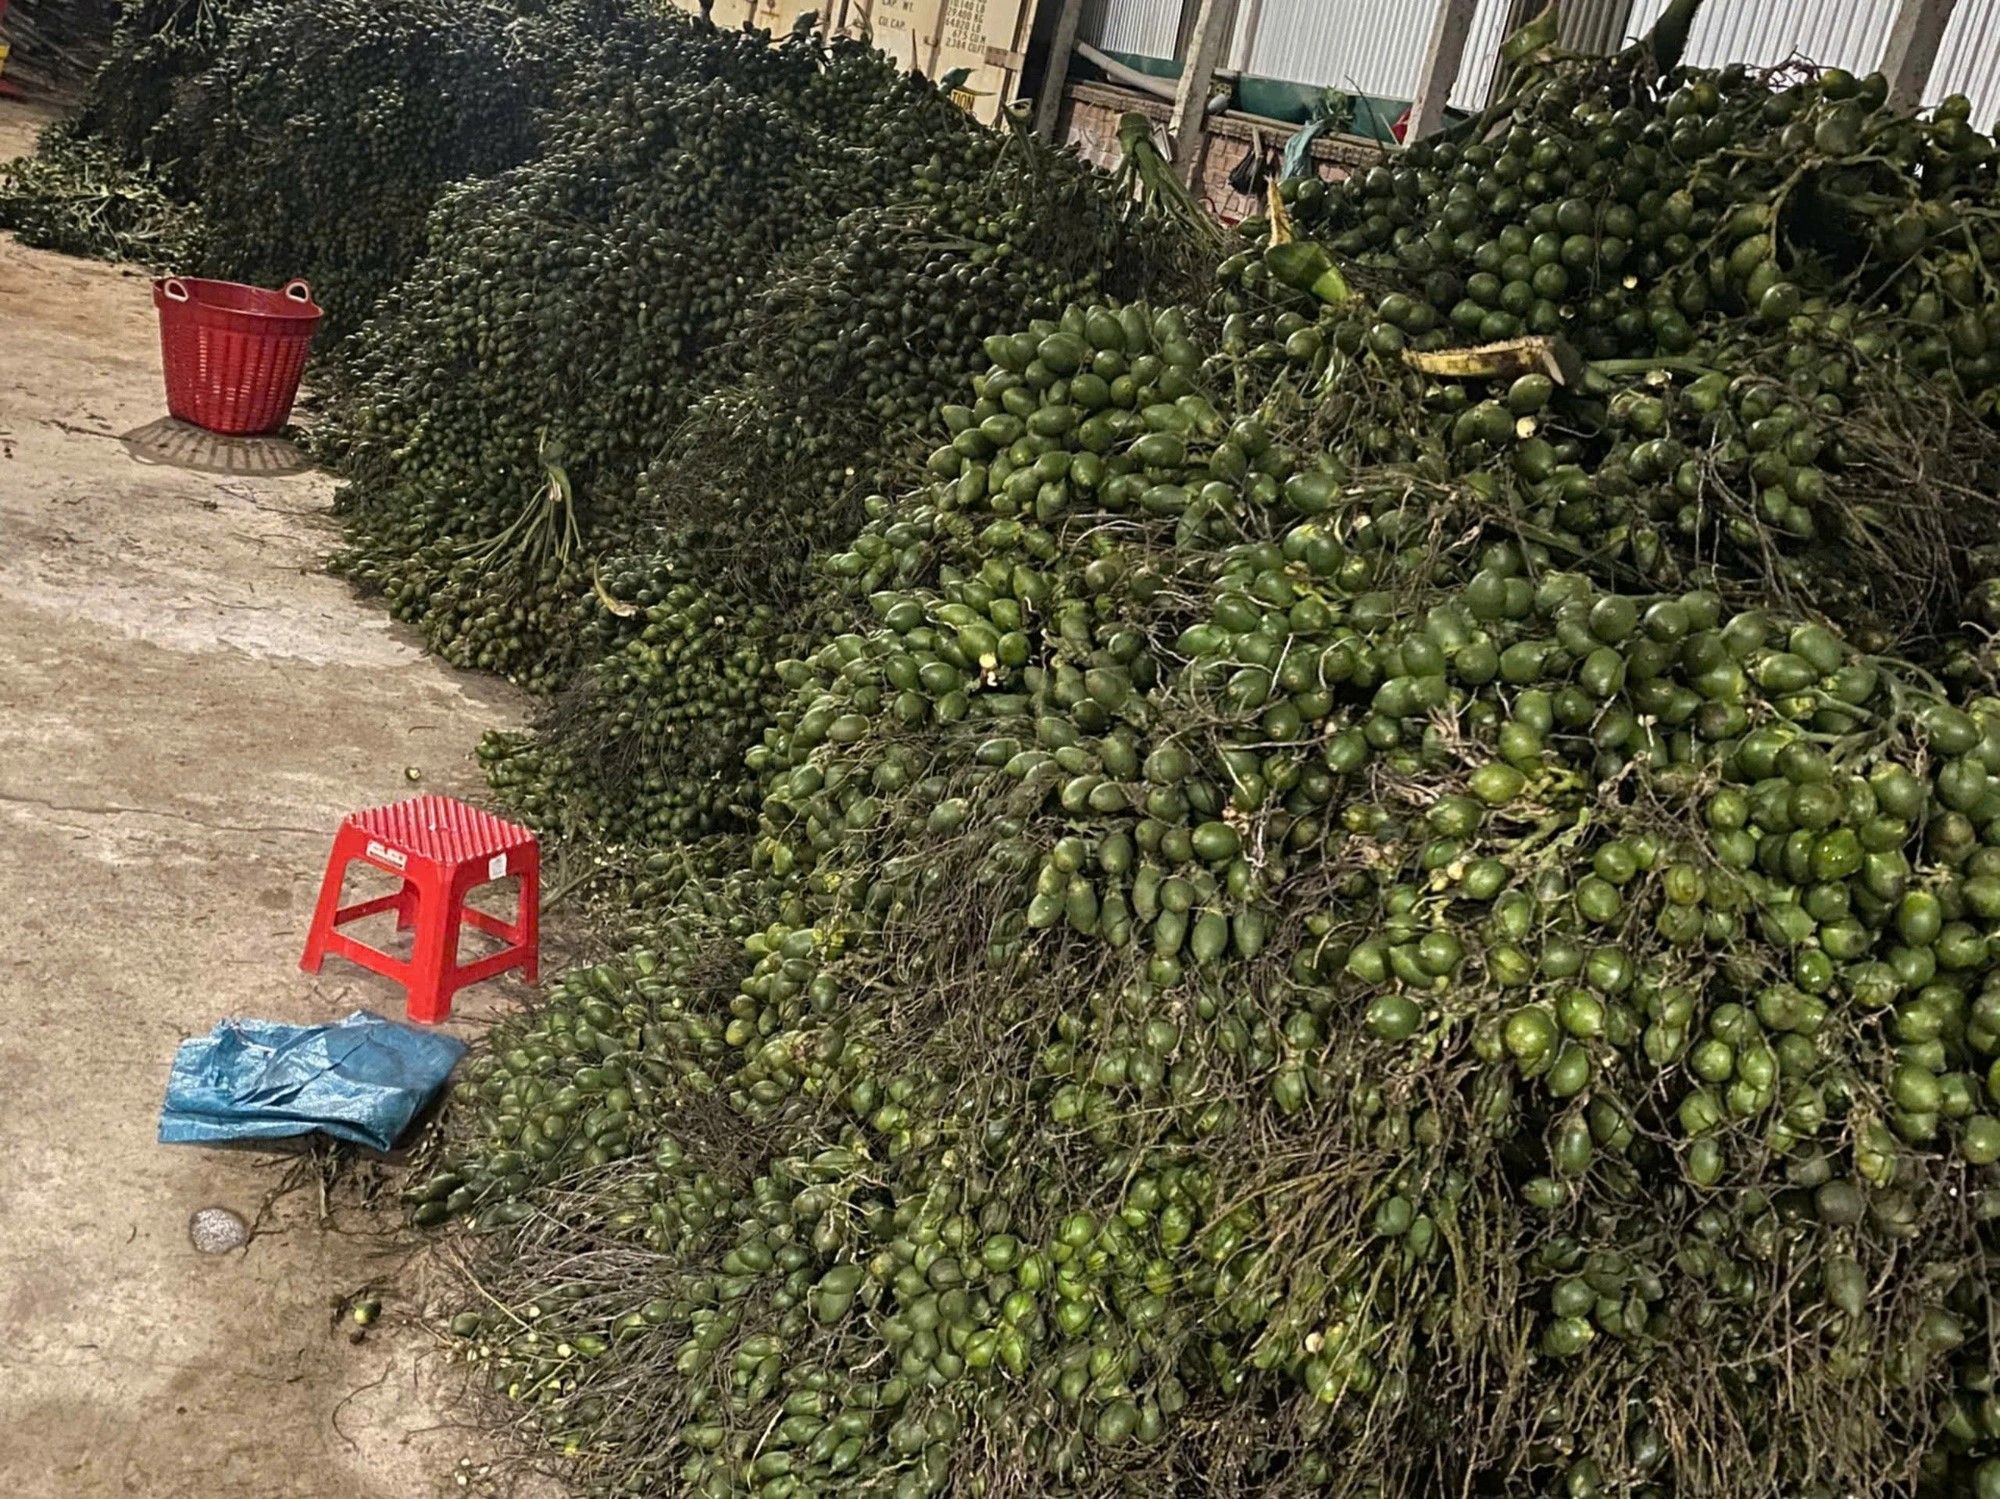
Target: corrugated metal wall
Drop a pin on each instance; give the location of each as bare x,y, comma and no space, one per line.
1969,61
1377,46
1587,26
1845,34
1482,55
1360,46
1595,26
1763,33
1142,28
1371,47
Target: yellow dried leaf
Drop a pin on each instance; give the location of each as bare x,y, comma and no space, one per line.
1281,216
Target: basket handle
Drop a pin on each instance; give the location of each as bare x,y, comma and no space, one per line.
175,289
298,290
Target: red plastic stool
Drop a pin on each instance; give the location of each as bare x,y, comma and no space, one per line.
442,850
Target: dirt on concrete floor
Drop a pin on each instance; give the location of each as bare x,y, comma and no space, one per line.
21,120
188,706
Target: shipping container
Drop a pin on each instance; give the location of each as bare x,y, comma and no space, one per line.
988,38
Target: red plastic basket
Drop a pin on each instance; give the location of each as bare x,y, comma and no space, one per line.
233,354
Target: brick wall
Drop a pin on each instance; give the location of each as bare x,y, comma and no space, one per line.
1089,121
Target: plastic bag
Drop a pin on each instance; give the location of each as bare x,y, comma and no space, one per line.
361,1079
1333,110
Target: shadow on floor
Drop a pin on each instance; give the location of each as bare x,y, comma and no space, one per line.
176,444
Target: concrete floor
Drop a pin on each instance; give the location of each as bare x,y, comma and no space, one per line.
188,705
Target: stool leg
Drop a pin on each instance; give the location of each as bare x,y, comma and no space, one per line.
428,991
328,904
528,921
406,906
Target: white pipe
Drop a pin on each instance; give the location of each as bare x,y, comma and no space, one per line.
1145,83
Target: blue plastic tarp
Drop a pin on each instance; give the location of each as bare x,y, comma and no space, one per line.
361,1079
